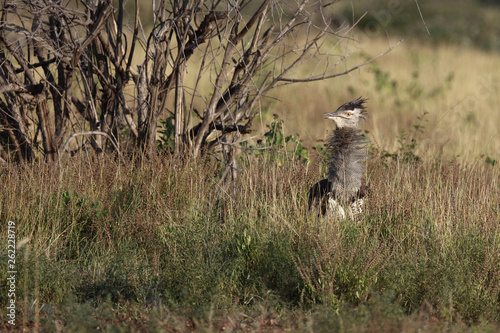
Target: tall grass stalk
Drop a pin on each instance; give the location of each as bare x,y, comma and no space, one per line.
159,235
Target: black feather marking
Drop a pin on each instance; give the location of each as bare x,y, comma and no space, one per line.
355,104
318,196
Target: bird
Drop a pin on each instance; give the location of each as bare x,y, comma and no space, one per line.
343,193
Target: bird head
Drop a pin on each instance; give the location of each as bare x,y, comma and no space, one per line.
349,114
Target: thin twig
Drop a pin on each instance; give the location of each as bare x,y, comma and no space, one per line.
72,136
324,77
422,17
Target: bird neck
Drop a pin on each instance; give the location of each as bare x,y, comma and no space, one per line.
345,137
347,149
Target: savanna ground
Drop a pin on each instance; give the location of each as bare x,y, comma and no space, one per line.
157,245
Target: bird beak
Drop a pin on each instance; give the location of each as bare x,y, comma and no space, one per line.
329,115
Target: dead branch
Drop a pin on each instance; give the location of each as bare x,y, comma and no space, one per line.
74,135
65,71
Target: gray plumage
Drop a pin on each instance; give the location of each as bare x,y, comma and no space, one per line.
344,189
347,149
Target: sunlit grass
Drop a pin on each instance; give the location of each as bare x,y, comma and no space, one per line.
457,87
109,239
157,245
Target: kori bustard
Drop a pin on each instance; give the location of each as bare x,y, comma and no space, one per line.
343,193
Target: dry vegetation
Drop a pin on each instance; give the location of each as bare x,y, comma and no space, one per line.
133,244
158,245
458,87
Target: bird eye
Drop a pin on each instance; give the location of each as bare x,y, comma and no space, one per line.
348,114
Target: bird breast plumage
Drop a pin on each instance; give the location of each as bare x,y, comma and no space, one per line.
347,148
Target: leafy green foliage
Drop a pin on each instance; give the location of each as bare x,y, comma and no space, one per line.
165,142
342,270
276,146
382,79
408,145
490,161
413,90
87,208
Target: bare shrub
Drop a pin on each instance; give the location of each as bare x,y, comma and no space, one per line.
76,74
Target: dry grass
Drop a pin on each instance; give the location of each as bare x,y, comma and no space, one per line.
161,236
157,245
458,87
